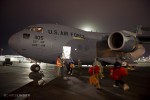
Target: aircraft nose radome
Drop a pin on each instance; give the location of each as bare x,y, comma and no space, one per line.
13,42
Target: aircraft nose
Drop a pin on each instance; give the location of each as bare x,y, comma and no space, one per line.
13,41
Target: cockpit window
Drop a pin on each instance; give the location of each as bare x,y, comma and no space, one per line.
35,29
26,36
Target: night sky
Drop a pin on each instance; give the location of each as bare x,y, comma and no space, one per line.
100,15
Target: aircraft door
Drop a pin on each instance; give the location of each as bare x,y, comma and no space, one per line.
66,52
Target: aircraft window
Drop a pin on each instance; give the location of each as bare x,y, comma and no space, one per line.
26,36
35,29
39,29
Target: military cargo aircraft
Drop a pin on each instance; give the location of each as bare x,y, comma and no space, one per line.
45,42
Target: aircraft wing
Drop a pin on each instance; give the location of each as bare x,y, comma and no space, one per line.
143,38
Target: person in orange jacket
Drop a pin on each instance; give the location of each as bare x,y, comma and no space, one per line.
59,65
116,73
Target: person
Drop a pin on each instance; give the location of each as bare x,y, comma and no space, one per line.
96,62
59,65
94,72
71,67
79,66
116,73
64,70
67,66
124,64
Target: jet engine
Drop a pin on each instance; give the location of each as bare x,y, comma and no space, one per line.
122,41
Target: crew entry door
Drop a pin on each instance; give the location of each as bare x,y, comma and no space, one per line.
66,52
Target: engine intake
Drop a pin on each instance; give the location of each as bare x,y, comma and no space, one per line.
122,41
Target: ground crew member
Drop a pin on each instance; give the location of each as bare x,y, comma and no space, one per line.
79,66
59,64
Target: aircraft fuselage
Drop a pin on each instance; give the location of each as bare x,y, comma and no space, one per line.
44,42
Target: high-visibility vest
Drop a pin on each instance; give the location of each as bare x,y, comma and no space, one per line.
58,62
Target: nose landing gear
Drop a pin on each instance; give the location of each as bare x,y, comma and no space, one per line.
36,75
35,68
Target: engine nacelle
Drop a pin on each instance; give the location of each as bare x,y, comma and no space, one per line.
122,41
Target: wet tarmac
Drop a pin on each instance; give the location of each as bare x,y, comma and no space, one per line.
15,84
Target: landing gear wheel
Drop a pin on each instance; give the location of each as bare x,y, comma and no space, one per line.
35,68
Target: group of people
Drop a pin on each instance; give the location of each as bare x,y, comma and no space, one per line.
63,65
96,71
117,72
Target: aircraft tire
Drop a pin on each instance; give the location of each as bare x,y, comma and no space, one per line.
36,76
35,68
